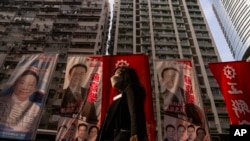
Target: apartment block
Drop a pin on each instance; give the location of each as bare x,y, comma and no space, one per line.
67,27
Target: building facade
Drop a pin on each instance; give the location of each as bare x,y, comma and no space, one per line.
67,27
171,29
234,20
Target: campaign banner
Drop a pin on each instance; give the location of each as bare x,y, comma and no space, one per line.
232,78
140,63
23,96
81,102
180,103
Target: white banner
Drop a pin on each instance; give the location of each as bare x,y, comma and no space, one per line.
180,101
23,97
81,102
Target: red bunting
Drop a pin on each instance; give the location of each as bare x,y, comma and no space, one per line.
233,79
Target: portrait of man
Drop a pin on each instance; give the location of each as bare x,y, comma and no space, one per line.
171,89
82,131
170,133
172,93
75,96
174,98
181,132
190,132
200,134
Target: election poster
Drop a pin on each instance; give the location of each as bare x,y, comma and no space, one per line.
139,62
232,78
182,115
23,96
81,101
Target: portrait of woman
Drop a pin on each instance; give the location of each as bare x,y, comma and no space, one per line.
18,112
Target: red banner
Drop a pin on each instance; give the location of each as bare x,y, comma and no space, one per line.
233,78
140,64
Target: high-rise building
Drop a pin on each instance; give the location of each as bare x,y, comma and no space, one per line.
234,20
68,27
171,29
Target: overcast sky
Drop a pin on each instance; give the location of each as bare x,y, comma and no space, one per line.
215,29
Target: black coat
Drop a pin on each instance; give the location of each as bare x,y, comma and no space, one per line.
125,117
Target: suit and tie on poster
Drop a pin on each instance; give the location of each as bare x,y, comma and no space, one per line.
23,97
179,100
81,100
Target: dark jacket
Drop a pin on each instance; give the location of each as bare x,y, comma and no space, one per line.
70,103
125,116
88,110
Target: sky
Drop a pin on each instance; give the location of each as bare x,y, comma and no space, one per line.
216,31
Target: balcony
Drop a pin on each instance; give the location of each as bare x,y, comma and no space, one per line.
81,51
123,25
211,124
191,3
31,49
186,51
166,52
204,43
2,29
125,40
185,43
12,37
82,40
183,34
202,35
165,34
73,2
126,12
218,96
66,21
225,123
47,13
35,38
221,110
6,16
124,49
200,28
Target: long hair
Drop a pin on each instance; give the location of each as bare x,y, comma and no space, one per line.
128,74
